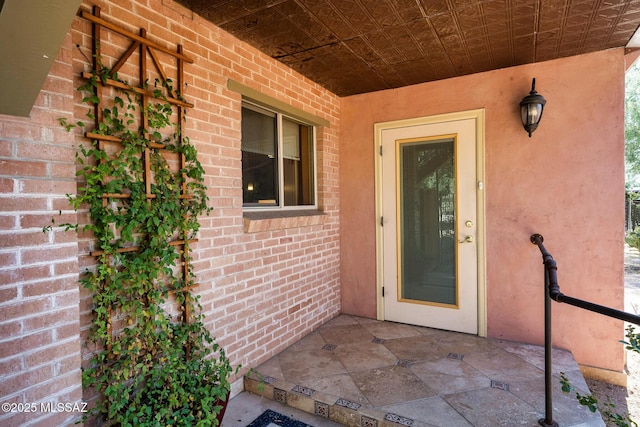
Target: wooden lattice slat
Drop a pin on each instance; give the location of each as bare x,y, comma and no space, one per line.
95,18
138,90
145,47
136,248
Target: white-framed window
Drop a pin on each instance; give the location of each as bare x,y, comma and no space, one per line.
278,160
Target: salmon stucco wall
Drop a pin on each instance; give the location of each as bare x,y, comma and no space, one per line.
566,182
261,289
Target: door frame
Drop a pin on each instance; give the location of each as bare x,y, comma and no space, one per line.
478,116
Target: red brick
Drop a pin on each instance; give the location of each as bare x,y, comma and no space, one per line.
43,220
61,236
7,222
8,294
48,320
10,329
6,147
64,268
58,419
26,308
25,343
22,129
24,274
8,276
29,238
43,354
14,203
62,170
6,185
61,136
28,378
51,388
67,331
17,419
50,286
18,168
13,364
49,186
68,300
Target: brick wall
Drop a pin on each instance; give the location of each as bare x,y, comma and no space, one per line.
39,321
260,291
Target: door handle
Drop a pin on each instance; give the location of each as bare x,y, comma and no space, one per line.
468,239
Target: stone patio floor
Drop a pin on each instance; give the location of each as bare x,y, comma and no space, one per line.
361,372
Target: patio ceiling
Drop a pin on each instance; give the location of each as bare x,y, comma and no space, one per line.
358,46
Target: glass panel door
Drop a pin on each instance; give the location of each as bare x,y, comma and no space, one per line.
427,212
430,241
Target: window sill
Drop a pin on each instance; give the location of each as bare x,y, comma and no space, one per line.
256,221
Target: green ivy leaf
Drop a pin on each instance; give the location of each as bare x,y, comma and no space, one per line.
140,362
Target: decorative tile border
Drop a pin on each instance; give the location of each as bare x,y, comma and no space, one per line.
269,380
321,409
329,347
378,340
368,422
499,385
280,395
325,405
303,390
404,363
398,419
455,356
348,404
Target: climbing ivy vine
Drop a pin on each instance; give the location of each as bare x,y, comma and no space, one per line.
153,361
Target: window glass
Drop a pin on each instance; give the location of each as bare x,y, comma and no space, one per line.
259,157
297,164
278,164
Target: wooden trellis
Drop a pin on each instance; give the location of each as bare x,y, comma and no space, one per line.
146,49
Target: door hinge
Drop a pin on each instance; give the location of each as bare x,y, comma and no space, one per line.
381,150
381,221
383,292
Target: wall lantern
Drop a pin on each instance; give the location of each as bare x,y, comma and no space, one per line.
531,108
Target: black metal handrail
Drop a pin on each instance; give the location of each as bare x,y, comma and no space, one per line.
552,292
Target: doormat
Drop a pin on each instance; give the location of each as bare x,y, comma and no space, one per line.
271,418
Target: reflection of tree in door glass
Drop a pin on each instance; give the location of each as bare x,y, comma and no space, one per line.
427,196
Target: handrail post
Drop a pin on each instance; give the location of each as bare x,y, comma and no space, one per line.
552,292
547,421
548,262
